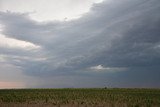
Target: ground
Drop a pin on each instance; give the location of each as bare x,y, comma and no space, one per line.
95,97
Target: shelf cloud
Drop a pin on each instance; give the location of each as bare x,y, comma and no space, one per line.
112,36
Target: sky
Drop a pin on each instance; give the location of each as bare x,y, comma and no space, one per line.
79,43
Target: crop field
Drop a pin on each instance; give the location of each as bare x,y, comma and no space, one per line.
80,97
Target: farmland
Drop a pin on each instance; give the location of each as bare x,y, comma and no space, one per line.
96,97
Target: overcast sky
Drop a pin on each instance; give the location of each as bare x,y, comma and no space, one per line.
79,43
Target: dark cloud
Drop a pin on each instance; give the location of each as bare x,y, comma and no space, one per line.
113,34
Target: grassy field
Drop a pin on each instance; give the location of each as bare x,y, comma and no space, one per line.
80,97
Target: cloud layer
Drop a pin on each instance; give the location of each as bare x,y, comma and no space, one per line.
115,35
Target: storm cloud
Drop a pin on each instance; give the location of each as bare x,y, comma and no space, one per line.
119,39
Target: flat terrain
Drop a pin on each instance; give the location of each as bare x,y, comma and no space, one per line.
80,97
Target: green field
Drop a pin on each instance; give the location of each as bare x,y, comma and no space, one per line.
80,97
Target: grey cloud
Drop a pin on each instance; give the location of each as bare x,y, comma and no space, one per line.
113,34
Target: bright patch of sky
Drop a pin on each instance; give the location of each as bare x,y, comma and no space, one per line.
99,68
49,10
14,43
9,85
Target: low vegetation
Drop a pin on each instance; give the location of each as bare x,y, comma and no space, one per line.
80,97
